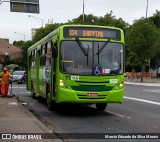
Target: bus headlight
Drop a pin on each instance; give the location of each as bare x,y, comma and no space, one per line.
119,86
63,84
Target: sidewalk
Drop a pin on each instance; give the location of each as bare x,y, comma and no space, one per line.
15,118
146,81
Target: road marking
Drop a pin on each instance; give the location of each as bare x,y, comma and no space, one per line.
154,91
17,87
12,103
142,100
143,84
115,113
24,92
118,114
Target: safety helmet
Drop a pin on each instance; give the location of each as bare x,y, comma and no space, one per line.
5,69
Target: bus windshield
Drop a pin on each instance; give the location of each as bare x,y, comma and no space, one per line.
109,61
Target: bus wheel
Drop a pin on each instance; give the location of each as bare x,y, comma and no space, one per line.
100,106
49,102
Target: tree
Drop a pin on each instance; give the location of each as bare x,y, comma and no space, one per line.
42,32
155,61
142,38
107,20
24,46
110,20
156,18
89,19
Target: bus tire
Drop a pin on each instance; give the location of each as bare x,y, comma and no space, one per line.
49,99
49,102
32,92
101,106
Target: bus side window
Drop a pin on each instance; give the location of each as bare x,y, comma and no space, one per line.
29,61
33,58
43,55
48,53
48,46
54,51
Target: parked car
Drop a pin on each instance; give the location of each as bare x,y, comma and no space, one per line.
19,77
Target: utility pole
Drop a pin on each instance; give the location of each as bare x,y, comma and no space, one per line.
83,12
147,17
147,9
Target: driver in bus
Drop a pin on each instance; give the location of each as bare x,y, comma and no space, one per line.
108,63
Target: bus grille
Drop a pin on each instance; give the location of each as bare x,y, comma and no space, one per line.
92,88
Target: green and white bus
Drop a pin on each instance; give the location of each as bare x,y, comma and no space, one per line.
81,64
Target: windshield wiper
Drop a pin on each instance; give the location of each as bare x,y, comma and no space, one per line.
81,46
100,50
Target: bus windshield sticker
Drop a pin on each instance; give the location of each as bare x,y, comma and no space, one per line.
113,80
97,70
105,71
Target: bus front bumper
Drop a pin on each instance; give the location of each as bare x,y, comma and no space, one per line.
71,96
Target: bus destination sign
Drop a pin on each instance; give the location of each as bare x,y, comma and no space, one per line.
91,33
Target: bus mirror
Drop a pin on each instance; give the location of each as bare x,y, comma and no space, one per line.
54,52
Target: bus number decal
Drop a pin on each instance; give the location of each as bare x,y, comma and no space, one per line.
74,77
113,80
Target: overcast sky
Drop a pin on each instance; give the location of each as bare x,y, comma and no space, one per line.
63,10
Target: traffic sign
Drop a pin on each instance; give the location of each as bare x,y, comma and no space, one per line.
27,6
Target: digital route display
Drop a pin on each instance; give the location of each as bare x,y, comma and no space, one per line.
88,32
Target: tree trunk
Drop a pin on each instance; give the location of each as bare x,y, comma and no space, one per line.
142,71
157,73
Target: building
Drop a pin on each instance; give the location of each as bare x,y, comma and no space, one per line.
33,31
9,51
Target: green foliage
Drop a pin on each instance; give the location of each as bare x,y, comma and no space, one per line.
107,20
19,44
110,20
88,20
24,46
156,19
155,62
142,39
42,32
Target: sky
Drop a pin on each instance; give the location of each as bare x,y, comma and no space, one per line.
17,26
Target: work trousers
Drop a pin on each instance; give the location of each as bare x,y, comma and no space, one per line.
4,89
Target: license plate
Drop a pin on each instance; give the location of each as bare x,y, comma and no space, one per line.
93,94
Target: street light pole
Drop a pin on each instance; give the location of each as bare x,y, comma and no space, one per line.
24,36
37,18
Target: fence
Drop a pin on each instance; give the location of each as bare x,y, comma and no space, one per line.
138,74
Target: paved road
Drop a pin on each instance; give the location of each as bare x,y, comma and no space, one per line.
139,113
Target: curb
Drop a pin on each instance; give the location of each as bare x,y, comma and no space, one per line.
143,84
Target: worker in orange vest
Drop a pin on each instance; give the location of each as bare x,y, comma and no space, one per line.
5,82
